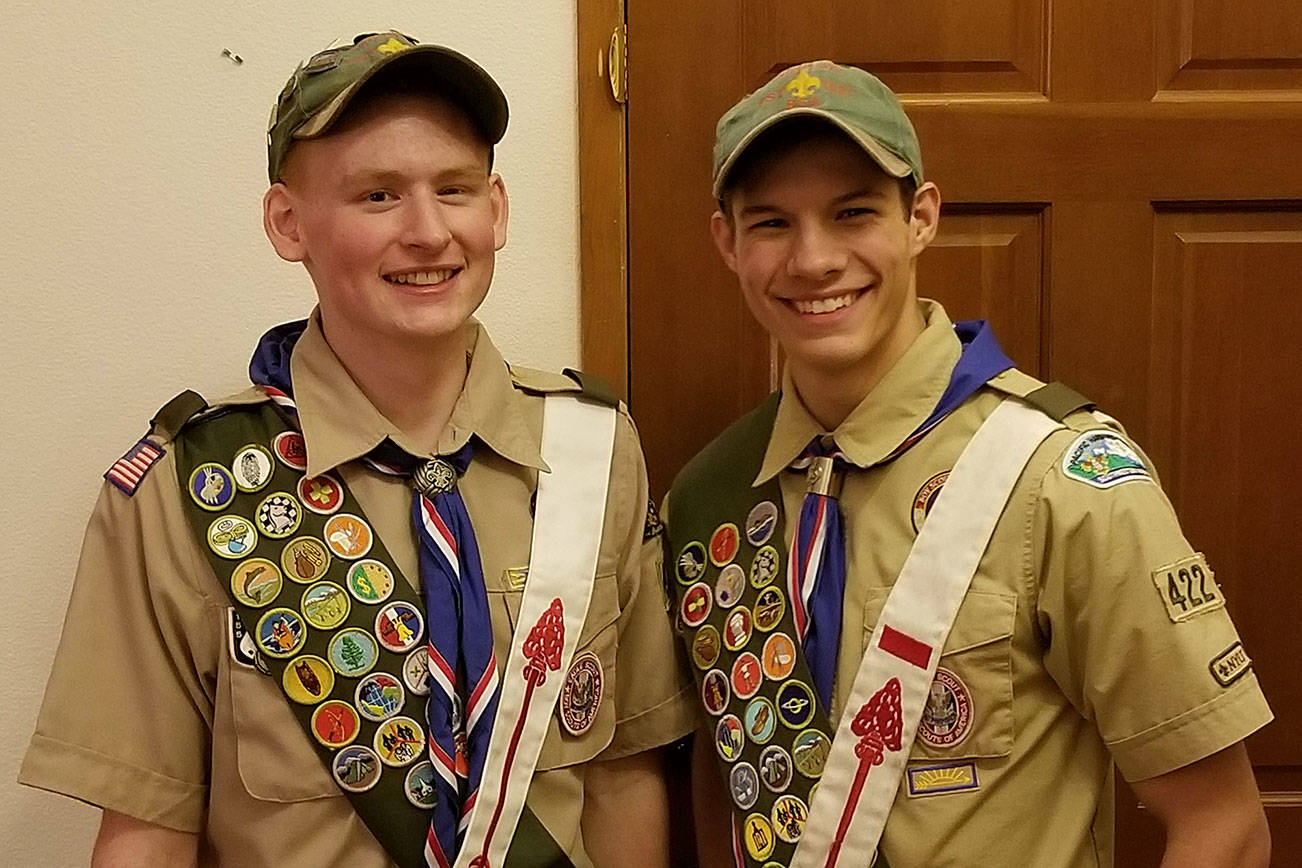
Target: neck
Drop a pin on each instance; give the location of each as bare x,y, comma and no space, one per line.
413,384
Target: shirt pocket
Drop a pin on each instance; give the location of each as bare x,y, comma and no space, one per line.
598,636
969,707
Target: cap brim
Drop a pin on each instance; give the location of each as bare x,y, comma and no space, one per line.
464,81
889,162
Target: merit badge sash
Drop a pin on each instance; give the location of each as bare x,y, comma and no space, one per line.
577,444
885,704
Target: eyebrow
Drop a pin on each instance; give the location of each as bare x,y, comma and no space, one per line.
864,193
366,177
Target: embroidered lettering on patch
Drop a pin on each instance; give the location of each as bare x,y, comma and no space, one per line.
1188,588
950,778
239,642
1230,665
1103,459
653,526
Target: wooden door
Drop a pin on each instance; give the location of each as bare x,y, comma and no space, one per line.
1123,200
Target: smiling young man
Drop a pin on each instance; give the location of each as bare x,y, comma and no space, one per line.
931,603
392,604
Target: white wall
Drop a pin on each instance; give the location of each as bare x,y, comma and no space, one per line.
132,164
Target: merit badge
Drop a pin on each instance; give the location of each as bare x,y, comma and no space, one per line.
353,652
1103,459
724,543
775,768
399,626
252,468
950,778
691,563
789,815
795,704
779,656
746,675
290,449
705,647
321,494
278,515
696,604
729,585
256,582
770,605
379,696
809,753
581,694
280,633
764,568
761,720
370,581
335,723
305,559
419,785
325,605
1188,588
415,671
348,536
757,833
1230,665
243,651
947,716
737,629
308,679
925,499
715,691
760,523
399,741
356,768
232,536
743,781
211,486
728,737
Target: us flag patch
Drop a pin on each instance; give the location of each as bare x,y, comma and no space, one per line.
129,470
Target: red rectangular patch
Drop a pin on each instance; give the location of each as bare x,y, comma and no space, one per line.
905,647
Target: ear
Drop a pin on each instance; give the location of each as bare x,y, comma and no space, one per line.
280,222
925,217
501,210
725,239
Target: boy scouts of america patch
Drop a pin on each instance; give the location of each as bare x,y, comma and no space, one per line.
581,694
925,499
1103,459
947,716
129,471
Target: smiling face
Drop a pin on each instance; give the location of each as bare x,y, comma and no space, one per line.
396,217
825,254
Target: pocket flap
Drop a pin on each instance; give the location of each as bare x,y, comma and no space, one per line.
983,617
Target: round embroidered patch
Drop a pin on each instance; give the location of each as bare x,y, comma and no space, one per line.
348,536
232,536
775,768
581,694
370,581
770,605
289,447
925,499
705,647
809,753
353,652
789,815
325,605
278,515
415,671
321,494
211,486
252,468
379,696
356,768
744,784
308,679
399,741
737,629
304,560
399,626
729,586
779,656
1103,459
728,737
419,785
795,704
697,601
757,832
715,691
765,567
724,543
280,633
746,675
947,716
256,582
691,563
761,521
335,723
761,720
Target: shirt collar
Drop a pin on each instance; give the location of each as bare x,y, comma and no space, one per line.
891,411
340,424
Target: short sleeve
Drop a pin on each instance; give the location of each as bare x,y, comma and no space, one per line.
1139,635
126,717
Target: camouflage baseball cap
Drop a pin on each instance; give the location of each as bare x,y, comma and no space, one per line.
855,101
320,90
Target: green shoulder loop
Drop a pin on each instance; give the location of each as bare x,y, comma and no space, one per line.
172,416
1056,400
593,387
539,382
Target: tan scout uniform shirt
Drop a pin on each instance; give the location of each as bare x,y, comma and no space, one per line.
1063,643
146,713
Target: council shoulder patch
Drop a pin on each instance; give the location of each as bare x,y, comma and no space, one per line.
1103,459
1188,588
129,471
1230,665
653,526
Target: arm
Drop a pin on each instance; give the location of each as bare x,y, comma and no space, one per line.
710,807
125,842
1211,812
626,812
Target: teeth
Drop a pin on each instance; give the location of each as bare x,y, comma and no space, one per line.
824,305
422,278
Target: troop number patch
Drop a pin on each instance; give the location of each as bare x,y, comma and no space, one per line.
1188,588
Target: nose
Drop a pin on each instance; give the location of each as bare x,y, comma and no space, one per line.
815,255
425,224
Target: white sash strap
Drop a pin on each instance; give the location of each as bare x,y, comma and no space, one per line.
577,443
885,705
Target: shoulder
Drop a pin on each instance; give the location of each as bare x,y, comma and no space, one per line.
569,381
737,451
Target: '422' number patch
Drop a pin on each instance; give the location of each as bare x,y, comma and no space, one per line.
1188,588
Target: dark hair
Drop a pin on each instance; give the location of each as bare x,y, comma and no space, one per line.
783,138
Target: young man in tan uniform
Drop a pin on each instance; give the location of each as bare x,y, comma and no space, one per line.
1091,636
158,709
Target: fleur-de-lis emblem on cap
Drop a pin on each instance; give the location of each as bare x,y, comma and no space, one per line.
803,85
393,46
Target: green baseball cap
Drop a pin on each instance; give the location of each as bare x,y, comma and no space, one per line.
320,90
853,100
